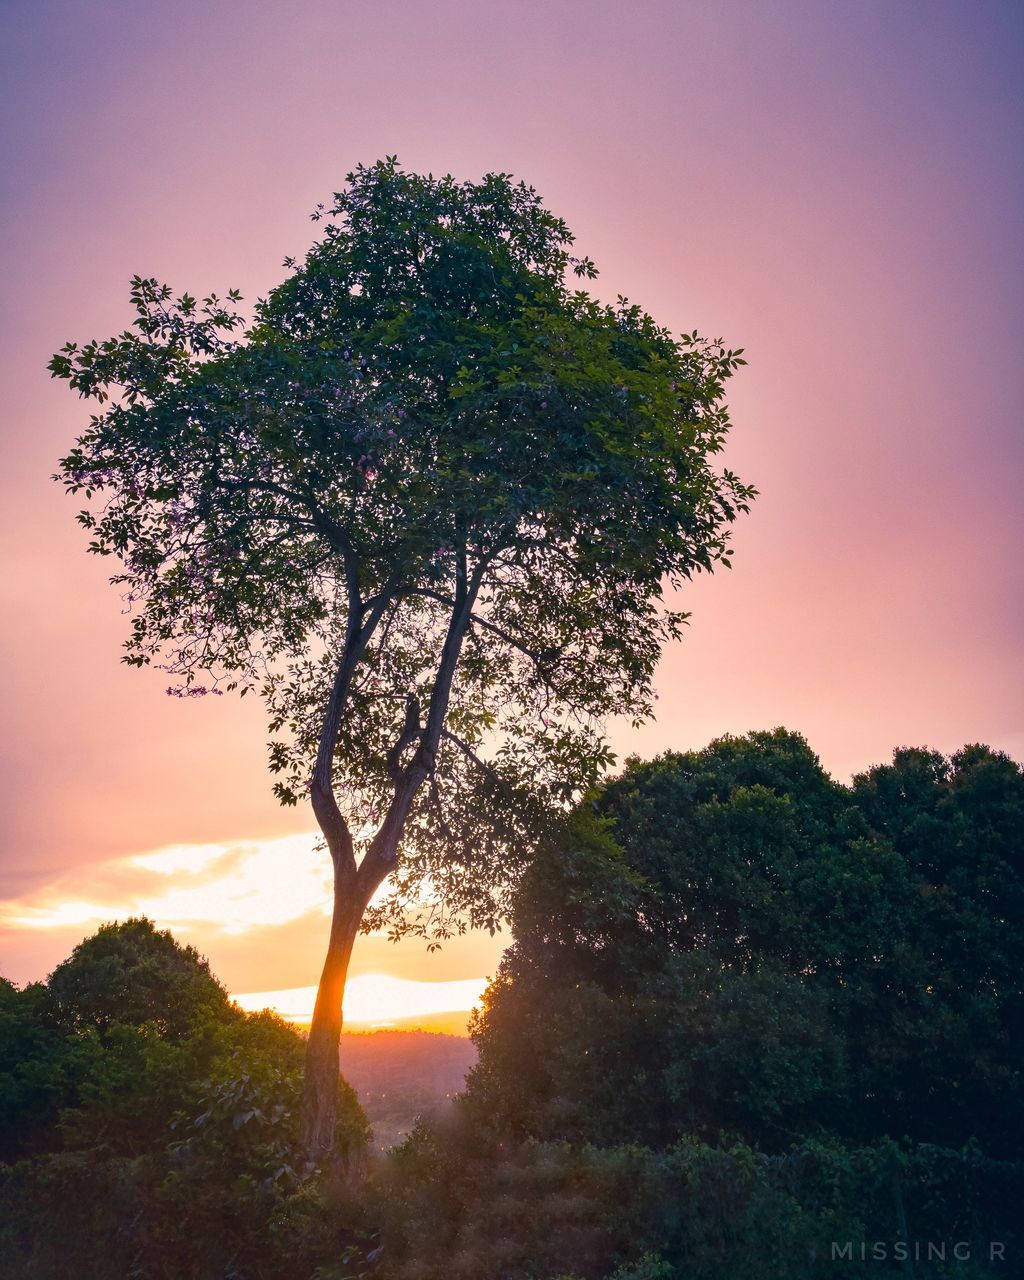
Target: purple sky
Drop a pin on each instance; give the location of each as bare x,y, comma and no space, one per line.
836,187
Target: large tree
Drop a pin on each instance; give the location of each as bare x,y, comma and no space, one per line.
427,503
728,940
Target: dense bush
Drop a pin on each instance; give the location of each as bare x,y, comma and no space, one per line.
453,1208
157,1126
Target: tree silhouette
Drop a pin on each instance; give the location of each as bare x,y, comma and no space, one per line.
426,505
729,941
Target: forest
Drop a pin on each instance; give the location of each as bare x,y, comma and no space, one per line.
754,1023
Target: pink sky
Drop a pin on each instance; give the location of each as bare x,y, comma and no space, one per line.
837,188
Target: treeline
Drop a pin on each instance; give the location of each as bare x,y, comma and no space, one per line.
731,943
753,1024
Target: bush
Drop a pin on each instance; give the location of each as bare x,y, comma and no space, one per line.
164,1137
452,1206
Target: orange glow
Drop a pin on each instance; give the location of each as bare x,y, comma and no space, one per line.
233,887
378,1000
259,910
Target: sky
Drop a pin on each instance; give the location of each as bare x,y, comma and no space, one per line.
836,188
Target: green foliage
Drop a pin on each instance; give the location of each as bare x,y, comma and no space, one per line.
134,974
246,1110
749,1014
159,1125
729,942
453,1207
40,1068
769,980
448,1206
432,477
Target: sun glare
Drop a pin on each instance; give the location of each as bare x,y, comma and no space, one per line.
231,887
374,1000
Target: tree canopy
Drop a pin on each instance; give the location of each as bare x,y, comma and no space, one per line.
134,973
431,493
731,942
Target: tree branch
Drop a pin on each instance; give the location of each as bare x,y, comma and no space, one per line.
482,765
410,732
536,656
325,805
382,854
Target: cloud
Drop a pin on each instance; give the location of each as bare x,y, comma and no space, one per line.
230,888
248,894
258,909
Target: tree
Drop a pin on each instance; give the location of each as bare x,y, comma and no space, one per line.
37,1068
126,990
729,941
133,973
958,826
427,505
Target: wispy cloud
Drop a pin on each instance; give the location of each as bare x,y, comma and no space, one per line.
228,887
258,909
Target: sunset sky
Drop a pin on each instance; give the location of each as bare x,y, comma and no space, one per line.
835,187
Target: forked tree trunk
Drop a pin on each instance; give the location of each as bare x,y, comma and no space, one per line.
320,1099
355,884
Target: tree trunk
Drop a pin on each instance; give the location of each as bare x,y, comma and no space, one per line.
320,1098
355,884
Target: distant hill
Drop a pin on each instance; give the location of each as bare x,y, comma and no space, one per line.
400,1075
451,1023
